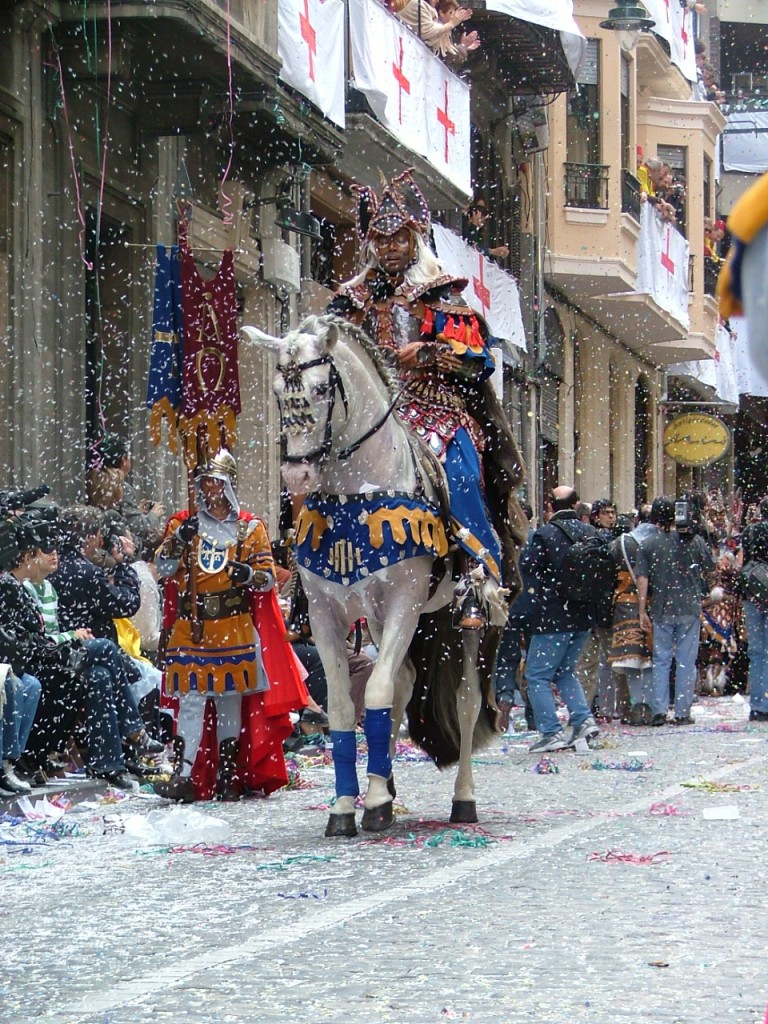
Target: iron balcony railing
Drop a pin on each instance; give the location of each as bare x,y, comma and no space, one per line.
630,194
586,186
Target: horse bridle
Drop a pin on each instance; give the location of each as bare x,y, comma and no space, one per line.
291,374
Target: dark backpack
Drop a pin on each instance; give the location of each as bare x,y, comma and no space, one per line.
587,574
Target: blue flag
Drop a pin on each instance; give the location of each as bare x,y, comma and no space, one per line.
165,363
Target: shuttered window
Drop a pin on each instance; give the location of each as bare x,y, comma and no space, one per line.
590,71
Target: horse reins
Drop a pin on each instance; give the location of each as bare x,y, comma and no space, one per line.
335,383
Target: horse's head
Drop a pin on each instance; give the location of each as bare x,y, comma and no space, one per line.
306,385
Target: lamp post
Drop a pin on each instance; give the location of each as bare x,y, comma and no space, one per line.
629,18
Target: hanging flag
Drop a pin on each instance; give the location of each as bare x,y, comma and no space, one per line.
662,264
210,377
165,361
490,290
310,40
411,90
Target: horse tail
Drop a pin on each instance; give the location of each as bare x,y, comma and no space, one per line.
433,719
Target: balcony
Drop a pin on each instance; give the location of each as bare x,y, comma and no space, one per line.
630,195
404,107
586,186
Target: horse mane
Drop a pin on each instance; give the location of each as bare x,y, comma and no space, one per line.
320,325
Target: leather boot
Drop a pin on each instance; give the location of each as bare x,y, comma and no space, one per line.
178,788
229,787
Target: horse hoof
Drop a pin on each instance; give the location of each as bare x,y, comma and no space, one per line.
391,786
341,825
463,812
377,819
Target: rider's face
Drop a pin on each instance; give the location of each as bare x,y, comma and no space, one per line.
393,252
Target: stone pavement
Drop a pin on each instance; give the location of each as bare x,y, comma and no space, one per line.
593,895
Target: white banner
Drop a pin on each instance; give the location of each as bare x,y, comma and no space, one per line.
556,14
310,43
491,291
731,373
745,142
662,264
675,24
411,91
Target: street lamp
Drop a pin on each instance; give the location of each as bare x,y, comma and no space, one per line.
629,18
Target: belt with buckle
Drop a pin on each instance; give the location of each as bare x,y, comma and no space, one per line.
220,605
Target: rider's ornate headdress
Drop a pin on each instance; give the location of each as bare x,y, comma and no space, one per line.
401,205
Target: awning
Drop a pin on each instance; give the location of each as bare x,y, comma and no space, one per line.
745,142
556,15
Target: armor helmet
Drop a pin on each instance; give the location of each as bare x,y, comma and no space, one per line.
221,465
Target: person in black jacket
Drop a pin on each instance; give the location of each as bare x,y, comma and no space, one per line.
23,650
89,597
755,547
561,631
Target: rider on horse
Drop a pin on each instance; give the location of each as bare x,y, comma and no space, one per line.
412,309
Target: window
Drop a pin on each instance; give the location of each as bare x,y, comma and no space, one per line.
583,123
627,160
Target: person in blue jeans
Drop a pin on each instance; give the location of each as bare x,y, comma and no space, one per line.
755,548
22,695
560,631
672,567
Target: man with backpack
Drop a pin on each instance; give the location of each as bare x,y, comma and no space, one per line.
572,564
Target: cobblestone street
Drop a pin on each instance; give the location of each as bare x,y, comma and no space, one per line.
622,888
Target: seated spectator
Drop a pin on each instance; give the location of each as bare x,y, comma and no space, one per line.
474,226
111,712
22,688
422,17
89,597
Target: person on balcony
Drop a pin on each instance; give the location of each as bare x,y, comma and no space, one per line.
652,177
473,229
436,29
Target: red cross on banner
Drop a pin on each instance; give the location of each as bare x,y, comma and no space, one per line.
479,286
309,36
448,126
666,4
666,259
683,33
403,84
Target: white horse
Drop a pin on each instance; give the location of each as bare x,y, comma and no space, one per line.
344,446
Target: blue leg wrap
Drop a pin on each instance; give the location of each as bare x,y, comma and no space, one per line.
344,758
378,729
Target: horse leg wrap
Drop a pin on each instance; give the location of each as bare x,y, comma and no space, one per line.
344,758
378,730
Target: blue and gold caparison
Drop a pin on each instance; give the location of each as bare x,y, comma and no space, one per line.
344,538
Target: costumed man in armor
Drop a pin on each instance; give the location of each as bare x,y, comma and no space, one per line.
237,678
412,309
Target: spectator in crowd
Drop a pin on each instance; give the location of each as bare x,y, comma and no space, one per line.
561,631
652,177
423,18
755,548
672,568
514,641
111,710
474,230
630,651
584,511
604,692
89,597
108,487
21,649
